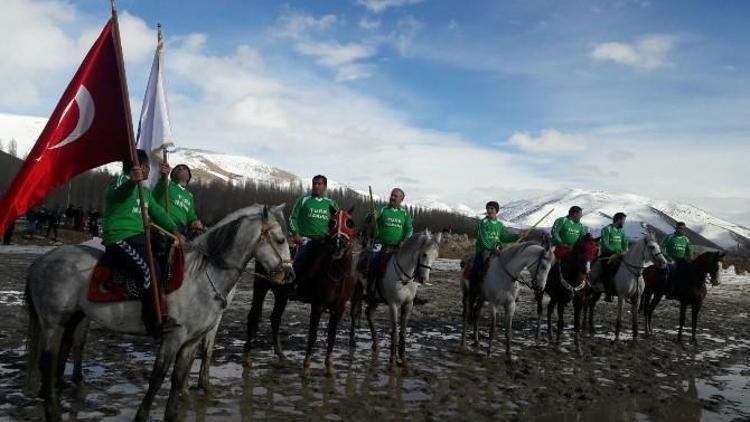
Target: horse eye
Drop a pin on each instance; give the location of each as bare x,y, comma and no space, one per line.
350,224
280,241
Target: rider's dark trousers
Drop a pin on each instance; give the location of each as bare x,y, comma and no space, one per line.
303,259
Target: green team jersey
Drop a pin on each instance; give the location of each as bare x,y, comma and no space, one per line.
613,241
181,205
310,216
677,246
566,232
491,234
393,225
122,212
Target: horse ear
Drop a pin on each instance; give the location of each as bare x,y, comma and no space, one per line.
279,208
351,210
265,212
438,237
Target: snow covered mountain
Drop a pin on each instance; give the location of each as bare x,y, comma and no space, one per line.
600,206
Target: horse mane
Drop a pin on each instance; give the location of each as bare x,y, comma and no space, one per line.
510,252
213,244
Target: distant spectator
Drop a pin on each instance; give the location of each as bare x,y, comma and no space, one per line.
8,235
69,212
94,216
53,221
78,219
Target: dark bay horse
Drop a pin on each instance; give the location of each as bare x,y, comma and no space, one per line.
690,281
566,282
329,284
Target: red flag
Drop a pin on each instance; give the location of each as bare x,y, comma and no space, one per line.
88,128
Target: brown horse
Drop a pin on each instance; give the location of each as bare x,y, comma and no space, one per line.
690,287
329,286
566,282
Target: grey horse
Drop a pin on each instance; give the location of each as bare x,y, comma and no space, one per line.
405,270
57,286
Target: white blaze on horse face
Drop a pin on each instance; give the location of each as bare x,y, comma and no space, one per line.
86,111
588,267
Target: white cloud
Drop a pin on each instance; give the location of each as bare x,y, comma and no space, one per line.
297,25
648,52
369,24
343,58
549,141
379,6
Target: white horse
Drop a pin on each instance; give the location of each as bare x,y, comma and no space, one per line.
501,287
405,270
628,279
57,295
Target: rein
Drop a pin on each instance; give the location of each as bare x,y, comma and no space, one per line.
400,271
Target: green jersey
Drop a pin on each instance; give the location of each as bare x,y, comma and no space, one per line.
122,211
310,216
491,234
567,232
677,247
181,205
613,241
393,225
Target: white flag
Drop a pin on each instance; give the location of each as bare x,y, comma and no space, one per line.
154,129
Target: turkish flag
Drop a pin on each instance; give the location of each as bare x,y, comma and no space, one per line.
88,128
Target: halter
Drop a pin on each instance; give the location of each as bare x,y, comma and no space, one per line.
639,268
538,264
401,272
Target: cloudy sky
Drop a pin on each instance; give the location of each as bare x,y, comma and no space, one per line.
470,101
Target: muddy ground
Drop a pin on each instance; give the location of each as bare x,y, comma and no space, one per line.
651,379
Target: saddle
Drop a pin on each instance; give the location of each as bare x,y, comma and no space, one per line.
467,265
110,284
375,275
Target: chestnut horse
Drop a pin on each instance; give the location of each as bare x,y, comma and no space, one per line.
566,282
690,279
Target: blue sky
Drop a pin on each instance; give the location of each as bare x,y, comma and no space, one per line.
468,101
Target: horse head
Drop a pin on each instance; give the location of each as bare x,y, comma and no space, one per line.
272,249
341,231
585,252
543,265
711,265
653,250
428,253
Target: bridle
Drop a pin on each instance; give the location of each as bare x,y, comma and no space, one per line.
401,272
568,286
538,263
637,270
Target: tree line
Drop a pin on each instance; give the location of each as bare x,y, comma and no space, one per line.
217,198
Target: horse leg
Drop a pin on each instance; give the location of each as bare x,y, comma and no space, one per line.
510,309
79,341
577,309
650,310
493,323
695,308
475,321
683,309
618,323
33,348
68,339
179,377
165,357
560,319
260,289
404,319
550,309
51,340
592,305
634,311
279,305
312,335
333,323
464,317
393,311
355,310
645,305
539,310
207,347
373,334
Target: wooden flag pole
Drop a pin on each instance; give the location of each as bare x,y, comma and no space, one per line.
134,159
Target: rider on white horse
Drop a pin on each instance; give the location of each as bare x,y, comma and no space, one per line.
566,231
678,250
491,235
308,225
123,238
612,242
393,225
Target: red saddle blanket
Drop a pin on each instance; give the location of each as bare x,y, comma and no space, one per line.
110,285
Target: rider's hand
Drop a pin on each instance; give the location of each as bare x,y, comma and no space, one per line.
180,238
136,174
298,239
164,169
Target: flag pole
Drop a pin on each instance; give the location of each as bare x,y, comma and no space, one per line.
134,159
164,150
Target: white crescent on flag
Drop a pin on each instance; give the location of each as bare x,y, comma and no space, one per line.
86,111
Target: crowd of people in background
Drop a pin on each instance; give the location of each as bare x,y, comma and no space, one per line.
46,222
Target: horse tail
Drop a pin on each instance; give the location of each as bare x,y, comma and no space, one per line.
32,383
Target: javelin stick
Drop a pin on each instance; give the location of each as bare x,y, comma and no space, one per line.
372,211
528,231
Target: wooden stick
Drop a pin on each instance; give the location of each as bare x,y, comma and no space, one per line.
528,231
134,159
